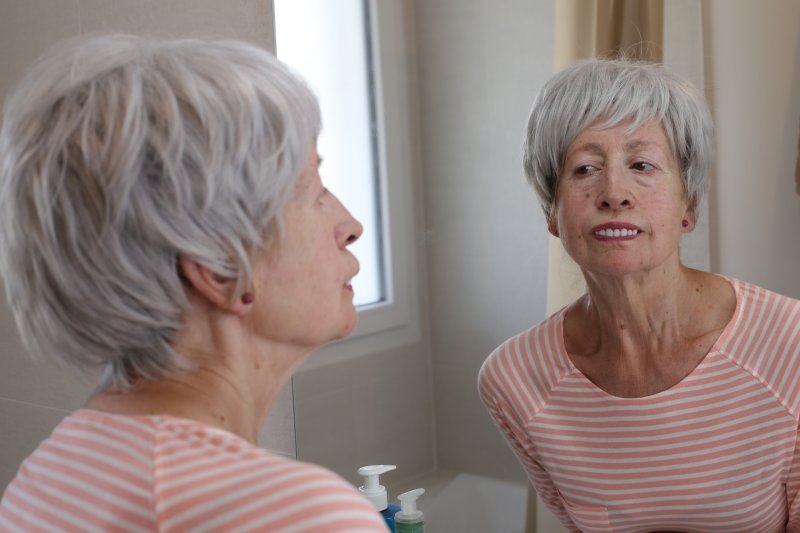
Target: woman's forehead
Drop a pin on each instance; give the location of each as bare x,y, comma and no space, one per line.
309,173
632,136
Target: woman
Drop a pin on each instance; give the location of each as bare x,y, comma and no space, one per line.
162,217
665,398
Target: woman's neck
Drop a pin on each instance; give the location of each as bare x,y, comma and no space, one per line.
633,338
232,380
638,309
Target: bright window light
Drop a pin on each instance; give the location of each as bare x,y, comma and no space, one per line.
328,44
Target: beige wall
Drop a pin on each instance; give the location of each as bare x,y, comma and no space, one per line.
479,67
27,27
35,396
754,78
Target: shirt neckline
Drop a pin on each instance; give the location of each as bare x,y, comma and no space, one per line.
716,347
97,415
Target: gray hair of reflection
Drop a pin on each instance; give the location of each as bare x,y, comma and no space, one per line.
118,155
617,90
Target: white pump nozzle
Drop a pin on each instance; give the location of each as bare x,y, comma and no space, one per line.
408,504
372,489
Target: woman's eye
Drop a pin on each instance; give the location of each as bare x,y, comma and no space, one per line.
642,166
584,170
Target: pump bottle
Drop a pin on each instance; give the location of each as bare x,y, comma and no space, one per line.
409,519
376,493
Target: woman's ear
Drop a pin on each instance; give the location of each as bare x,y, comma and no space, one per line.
217,290
689,219
552,225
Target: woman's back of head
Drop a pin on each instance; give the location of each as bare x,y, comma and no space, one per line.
118,154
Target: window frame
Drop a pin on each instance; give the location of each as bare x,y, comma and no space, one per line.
394,321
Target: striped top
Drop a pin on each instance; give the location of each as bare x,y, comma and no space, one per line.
716,452
99,472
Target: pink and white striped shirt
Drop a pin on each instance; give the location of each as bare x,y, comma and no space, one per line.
716,452
99,472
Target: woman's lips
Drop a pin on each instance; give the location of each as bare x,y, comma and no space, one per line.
348,284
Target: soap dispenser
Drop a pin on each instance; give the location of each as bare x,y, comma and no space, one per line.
376,493
409,519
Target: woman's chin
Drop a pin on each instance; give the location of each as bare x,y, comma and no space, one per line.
348,327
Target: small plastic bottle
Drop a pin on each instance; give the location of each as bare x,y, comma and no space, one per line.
376,493
409,519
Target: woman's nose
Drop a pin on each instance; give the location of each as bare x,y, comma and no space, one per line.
349,229
614,195
355,229
614,202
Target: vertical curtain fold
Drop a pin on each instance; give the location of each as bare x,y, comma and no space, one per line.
606,28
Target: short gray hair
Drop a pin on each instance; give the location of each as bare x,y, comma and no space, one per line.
120,154
617,90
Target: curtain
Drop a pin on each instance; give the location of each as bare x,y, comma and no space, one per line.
583,29
603,28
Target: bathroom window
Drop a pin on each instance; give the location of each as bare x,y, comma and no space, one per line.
352,54
328,43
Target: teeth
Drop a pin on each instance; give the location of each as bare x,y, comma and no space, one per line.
616,232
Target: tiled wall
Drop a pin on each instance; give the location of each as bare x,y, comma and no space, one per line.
368,410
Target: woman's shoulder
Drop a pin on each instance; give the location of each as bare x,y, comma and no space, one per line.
761,313
237,485
754,294
533,360
763,337
543,339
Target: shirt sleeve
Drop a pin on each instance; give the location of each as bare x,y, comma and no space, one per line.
793,489
792,348
513,430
